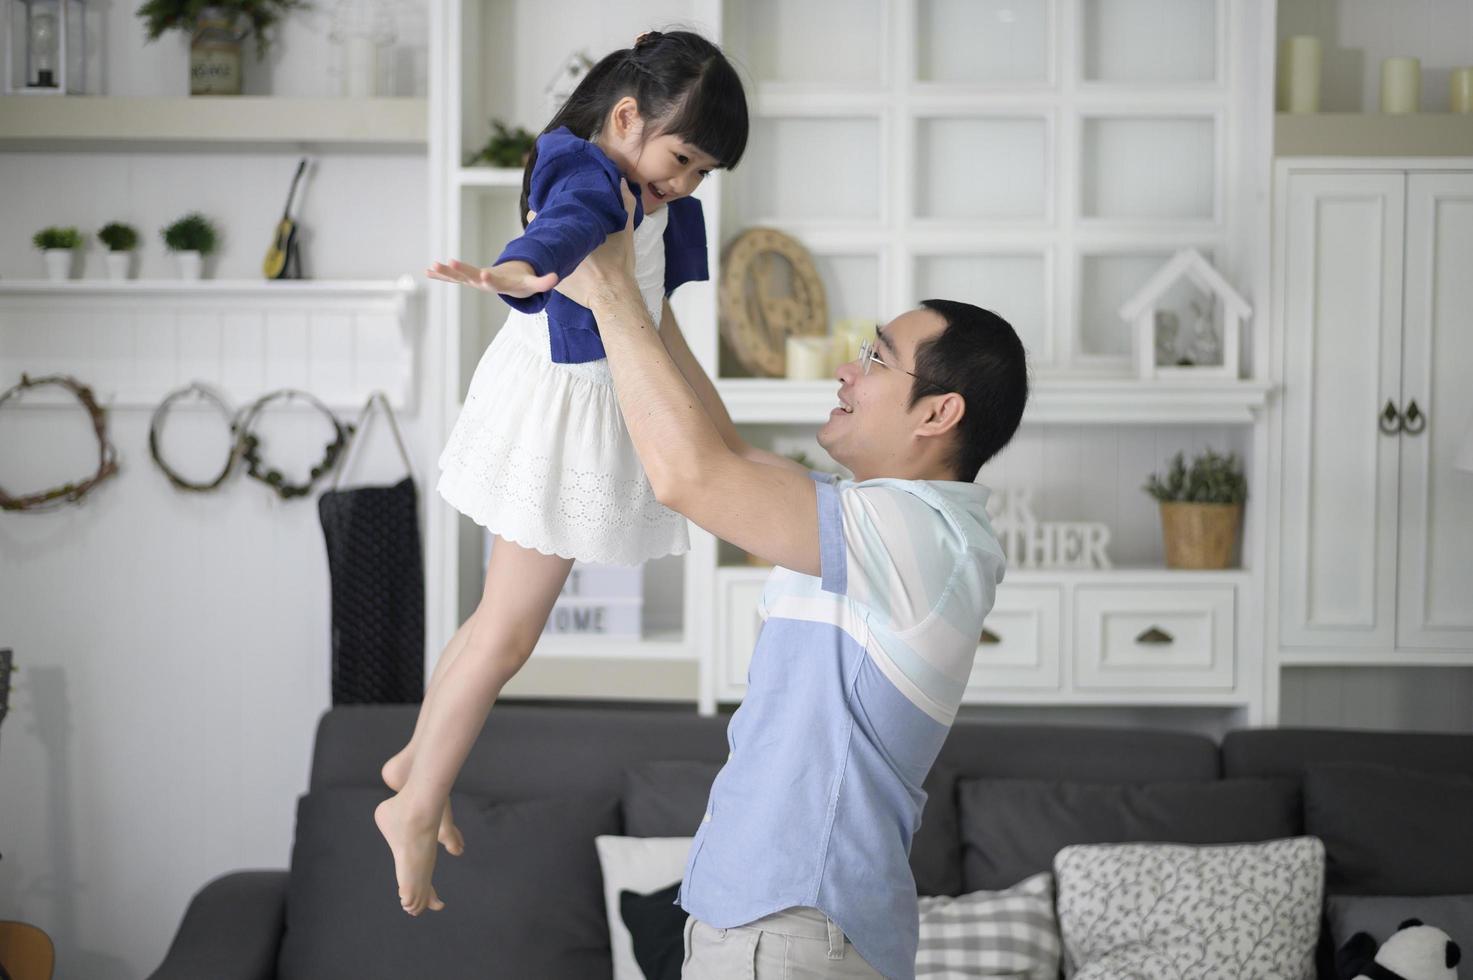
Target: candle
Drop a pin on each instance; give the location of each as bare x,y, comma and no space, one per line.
360,72
849,334
1401,85
1299,74
808,358
1460,90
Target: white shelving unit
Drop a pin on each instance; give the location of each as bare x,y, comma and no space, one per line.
1040,161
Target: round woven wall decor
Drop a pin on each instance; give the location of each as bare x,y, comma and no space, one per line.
770,291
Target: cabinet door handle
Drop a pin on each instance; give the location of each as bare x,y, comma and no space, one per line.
1414,423
990,638
1155,635
1390,420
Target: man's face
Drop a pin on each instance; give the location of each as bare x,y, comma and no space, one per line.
872,432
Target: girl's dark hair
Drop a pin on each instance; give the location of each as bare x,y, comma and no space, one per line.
684,86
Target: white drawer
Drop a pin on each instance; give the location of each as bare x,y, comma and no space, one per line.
1158,637
737,625
1020,642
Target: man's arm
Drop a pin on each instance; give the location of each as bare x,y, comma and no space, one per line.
710,399
767,511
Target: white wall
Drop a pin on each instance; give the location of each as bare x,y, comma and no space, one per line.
173,648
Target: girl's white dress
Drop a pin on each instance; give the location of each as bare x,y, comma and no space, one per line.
540,454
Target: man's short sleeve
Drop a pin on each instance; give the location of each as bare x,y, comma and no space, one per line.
886,549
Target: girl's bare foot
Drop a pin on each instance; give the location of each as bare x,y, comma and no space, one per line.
395,773
412,842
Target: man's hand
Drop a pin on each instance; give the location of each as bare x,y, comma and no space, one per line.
609,265
515,278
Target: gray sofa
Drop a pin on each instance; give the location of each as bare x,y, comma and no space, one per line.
526,899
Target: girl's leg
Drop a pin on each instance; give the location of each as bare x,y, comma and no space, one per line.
521,587
395,772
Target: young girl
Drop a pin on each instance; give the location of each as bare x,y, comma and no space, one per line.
540,454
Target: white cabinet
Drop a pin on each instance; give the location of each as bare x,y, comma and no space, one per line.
1129,637
1020,642
1162,638
1376,527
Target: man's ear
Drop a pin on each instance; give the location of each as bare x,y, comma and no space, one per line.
944,414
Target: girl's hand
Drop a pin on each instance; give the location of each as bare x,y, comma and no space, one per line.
514,278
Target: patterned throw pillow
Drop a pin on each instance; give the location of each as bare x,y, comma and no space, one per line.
1167,911
1009,933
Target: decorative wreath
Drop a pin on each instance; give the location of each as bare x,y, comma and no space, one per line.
156,426
250,444
770,291
107,456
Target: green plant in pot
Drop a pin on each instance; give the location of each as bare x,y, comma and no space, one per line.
191,238
1201,509
505,148
121,239
216,30
58,250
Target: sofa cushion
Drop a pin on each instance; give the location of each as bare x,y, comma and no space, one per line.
1381,915
1390,831
1058,752
1012,828
639,865
1008,933
656,926
1251,911
666,799
525,900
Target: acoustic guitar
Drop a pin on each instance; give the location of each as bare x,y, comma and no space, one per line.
282,260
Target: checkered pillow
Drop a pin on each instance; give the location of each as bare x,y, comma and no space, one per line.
1010,933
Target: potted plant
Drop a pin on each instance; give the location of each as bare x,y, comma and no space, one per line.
505,148
190,238
120,239
1201,509
58,248
216,29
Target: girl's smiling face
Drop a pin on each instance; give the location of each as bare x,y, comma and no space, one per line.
665,167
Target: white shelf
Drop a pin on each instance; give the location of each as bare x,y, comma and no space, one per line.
1075,402
1153,575
1369,134
489,177
659,646
213,288
226,120
135,341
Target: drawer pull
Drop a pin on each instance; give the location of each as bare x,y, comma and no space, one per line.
1155,635
989,638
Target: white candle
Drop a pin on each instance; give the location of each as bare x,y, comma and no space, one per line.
1401,85
1460,90
808,358
1299,74
360,69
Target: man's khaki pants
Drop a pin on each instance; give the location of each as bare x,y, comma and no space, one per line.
795,944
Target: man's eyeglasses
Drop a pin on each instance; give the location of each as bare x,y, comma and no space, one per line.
868,356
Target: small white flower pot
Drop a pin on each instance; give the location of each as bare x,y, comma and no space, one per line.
189,264
119,265
58,263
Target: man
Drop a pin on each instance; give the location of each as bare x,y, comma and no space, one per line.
800,866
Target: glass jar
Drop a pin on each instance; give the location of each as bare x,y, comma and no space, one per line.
214,54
